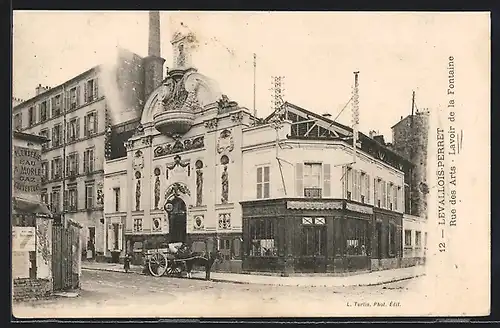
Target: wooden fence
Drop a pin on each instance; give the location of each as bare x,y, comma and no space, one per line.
66,259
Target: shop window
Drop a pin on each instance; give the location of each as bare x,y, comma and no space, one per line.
407,238
262,237
313,237
356,237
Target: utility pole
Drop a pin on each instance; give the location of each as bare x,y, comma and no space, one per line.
412,141
355,115
277,120
254,83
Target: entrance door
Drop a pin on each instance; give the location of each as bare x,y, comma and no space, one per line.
313,257
177,220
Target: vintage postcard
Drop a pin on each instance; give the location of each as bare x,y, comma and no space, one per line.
250,164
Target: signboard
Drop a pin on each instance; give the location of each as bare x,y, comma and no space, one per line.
27,170
23,239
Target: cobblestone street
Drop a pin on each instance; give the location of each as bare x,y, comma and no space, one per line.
115,294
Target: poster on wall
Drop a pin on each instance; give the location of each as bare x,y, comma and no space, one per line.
23,239
20,265
27,170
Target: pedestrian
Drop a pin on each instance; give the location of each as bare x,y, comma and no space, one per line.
126,262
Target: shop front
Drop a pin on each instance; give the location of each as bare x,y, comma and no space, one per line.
306,236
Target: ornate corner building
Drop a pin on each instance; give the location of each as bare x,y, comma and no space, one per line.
279,194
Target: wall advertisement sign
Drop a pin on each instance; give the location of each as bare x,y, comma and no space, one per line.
27,170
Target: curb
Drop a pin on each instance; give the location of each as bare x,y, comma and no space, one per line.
271,284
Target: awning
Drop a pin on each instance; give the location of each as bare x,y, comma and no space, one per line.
26,206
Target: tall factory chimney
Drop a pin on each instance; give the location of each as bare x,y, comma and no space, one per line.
153,63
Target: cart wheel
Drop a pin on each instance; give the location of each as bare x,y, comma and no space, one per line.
173,268
158,264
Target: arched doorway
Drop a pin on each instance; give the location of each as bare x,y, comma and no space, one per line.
177,218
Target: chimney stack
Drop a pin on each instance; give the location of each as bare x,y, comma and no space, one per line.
41,89
153,63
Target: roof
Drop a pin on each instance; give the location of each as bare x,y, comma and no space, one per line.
26,206
30,137
344,127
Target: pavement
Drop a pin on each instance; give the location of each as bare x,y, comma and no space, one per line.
363,279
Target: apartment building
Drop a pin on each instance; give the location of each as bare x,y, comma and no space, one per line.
78,118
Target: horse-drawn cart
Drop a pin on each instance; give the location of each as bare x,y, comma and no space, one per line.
172,262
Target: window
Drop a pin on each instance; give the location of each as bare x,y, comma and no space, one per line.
45,133
45,171
57,135
45,197
347,179
56,106
72,165
418,239
263,182
18,121
407,238
356,237
73,129
137,224
55,203
312,180
56,168
73,98
262,237
72,199
44,113
384,193
229,248
32,116
90,124
392,239
90,90
89,196
116,192
88,161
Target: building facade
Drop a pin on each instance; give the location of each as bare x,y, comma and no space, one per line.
282,194
80,117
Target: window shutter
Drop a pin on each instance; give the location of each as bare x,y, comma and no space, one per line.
77,168
85,126
77,95
326,180
77,133
299,179
67,165
65,201
47,108
120,236
91,160
367,181
61,136
375,191
110,237
66,100
85,92
96,88
95,122
85,161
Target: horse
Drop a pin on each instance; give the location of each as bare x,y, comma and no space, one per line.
201,259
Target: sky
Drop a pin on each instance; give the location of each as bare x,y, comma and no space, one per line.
317,53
